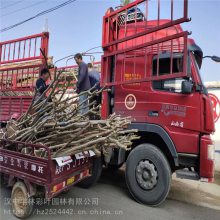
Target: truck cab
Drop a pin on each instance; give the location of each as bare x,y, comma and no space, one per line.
152,70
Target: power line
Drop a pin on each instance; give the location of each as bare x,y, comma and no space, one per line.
38,15
29,6
12,4
92,49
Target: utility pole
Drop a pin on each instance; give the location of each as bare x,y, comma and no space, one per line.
46,28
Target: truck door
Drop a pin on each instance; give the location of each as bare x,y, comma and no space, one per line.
178,113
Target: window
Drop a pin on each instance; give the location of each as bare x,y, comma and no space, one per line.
165,62
169,85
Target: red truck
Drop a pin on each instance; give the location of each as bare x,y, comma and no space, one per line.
152,70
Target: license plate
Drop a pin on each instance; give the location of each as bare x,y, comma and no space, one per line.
70,180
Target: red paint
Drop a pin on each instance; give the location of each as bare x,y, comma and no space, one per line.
12,105
216,106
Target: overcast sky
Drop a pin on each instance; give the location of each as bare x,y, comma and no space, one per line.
78,26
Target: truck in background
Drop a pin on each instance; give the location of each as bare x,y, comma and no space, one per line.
21,61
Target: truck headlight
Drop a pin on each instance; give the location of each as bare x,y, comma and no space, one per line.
211,152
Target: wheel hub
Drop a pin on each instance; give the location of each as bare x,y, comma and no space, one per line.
146,174
19,200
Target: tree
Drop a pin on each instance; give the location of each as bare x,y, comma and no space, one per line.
125,2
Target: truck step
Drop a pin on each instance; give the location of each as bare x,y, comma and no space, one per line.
186,174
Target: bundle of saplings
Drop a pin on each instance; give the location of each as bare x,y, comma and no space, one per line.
56,122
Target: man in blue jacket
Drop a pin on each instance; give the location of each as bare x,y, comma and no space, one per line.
94,76
83,84
41,85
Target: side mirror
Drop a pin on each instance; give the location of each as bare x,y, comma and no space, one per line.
216,59
186,87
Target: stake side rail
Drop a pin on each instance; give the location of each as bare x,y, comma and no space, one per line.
24,49
114,21
145,52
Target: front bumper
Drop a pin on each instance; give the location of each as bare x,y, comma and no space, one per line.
206,159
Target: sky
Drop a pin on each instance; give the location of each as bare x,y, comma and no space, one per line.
77,27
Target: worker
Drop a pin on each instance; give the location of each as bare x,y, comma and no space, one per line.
83,84
94,78
41,85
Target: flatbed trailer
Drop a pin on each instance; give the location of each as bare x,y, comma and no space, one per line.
29,174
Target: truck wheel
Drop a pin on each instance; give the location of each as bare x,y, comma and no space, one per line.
21,204
148,175
115,166
96,173
65,191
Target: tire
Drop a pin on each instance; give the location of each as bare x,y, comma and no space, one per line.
65,192
148,175
115,167
1,179
96,173
22,206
